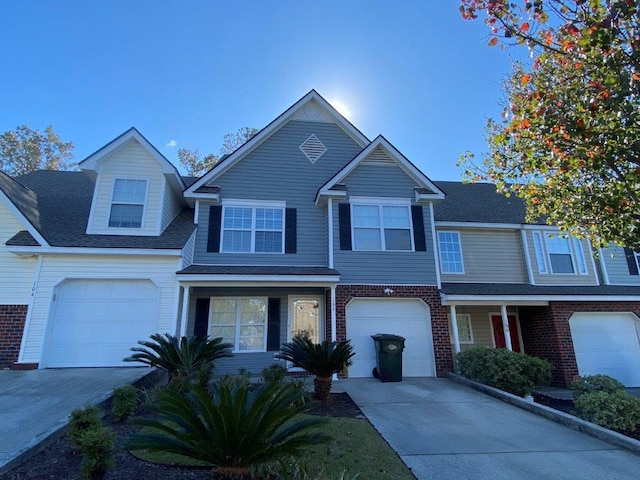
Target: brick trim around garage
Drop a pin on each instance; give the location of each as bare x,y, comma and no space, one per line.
428,294
12,318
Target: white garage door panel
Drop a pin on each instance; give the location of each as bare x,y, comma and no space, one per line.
407,318
607,343
95,322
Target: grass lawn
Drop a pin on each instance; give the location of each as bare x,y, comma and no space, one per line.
355,448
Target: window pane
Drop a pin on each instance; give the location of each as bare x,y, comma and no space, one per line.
450,252
238,218
537,243
577,246
366,216
561,263
129,191
268,242
396,239
236,241
396,216
126,216
269,218
464,328
367,239
228,334
558,244
252,310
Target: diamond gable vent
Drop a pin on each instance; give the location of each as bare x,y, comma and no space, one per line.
313,148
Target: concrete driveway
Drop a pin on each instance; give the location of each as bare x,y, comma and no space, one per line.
36,403
447,431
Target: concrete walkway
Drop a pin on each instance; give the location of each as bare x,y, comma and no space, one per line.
447,431
36,403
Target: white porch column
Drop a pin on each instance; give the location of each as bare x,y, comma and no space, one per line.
330,230
454,329
505,327
334,334
185,309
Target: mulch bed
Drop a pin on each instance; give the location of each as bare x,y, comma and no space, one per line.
58,460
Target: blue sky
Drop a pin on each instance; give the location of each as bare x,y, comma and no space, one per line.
192,71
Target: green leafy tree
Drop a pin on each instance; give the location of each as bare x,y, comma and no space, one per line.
568,143
197,164
24,149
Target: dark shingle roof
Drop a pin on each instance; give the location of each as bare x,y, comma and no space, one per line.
477,202
64,202
23,239
255,270
23,198
543,290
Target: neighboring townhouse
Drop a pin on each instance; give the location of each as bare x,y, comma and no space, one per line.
307,227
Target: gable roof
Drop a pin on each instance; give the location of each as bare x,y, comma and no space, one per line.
92,162
429,190
253,142
23,203
63,206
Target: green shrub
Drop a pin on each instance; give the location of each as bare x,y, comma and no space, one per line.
274,373
240,380
82,421
595,383
615,410
512,372
124,403
97,453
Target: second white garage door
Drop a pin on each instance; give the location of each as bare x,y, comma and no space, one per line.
94,323
607,343
408,318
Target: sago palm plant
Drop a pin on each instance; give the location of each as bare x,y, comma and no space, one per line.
319,359
186,360
233,429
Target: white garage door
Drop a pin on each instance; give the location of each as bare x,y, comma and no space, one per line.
408,318
94,323
607,343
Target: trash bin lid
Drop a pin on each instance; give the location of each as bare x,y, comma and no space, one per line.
387,336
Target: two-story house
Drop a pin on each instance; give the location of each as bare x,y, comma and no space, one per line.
307,227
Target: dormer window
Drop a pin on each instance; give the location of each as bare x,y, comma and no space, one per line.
127,203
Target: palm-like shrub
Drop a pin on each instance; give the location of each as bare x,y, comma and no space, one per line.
319,359
230,428
186,360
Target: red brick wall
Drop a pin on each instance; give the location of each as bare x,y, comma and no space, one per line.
546,332
12,318
430,295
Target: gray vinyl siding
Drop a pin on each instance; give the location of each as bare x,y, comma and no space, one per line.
490,256
253,362
617,268
480,324
557,278
278,171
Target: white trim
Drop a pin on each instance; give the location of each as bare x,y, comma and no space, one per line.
238,320
215,197
334,324
527,258
243,202
94,202
395,154
479,225
546,228
163,189
461,253
324,280
196,212
531,300
185,309
22,219
436,247
27,321
539,248
506,330
257,139
147,183
578,249
380,200
330,230
603,266
453,317
247,204
20,250
380,203
593,262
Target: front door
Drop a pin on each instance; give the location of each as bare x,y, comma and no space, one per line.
498,332
306,317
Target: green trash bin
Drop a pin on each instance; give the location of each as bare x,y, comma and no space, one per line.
388,357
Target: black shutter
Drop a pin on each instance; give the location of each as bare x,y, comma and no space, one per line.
273,330
215,222
344,220
631,261
201,326
291,228
418,228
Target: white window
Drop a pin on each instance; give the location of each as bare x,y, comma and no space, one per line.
381,227
240,321
559,254
248,229
450,252
637,257
465,333
127,203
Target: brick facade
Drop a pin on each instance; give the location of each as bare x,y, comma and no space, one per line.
12,318
546,333
429,295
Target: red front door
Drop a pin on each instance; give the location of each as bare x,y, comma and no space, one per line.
498,332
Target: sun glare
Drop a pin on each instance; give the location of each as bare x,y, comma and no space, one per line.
341,108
